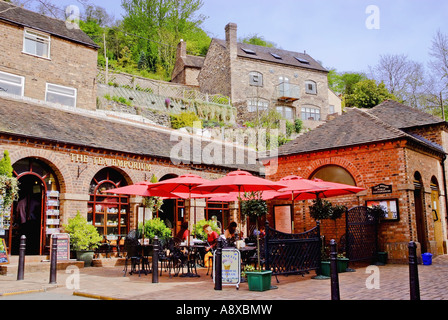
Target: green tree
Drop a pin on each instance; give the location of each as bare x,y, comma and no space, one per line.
258,41
368,94
5,165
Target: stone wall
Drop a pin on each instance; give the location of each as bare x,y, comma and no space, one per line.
70,64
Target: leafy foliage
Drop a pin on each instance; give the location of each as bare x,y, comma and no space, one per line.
323,209
198,229
155,227
8,184
185,119
253,205
83,236
368,94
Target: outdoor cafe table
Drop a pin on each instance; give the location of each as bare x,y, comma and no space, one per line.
192,255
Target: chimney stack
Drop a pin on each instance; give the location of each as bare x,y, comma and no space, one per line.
182,49
231,39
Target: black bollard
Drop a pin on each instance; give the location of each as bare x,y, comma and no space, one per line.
334,271
155,260
53,260
218,265
413,272
22,250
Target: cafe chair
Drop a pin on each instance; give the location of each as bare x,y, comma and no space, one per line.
133,253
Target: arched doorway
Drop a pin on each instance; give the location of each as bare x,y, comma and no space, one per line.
36,211
436,215
172,212
420,213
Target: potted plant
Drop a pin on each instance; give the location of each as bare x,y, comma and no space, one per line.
379,212
8,186
252,205
155,227
84,238
322,210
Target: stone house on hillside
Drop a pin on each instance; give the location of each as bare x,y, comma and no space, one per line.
257,78
41,58
396,147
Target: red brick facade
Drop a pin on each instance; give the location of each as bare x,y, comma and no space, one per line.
392,163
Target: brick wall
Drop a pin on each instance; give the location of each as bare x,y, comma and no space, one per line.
71,64
391,163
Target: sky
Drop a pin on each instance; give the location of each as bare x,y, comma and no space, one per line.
346,35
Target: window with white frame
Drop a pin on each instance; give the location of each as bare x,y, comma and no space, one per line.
310,87
256,79
257,104
287,112
12,84
310,113
37,44
61,95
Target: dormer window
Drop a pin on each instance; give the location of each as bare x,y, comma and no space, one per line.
36,44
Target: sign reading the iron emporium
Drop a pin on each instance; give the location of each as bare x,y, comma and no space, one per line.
382,189
107,162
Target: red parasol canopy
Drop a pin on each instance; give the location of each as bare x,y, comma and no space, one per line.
140,189
239,181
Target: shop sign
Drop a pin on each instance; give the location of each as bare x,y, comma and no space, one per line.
109,162
382,189
3,252
63,246
231,267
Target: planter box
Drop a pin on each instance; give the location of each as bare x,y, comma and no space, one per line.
342,264
86,256
259,281
382,258
325,269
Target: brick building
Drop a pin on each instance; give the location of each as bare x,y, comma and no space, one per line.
397,153
41,58
257,78
65,153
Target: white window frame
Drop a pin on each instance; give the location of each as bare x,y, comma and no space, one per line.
282,110
311,110
257,104
61,94
22,82
46,38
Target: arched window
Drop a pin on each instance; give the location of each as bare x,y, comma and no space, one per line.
109,213
311,113
310,87
332,173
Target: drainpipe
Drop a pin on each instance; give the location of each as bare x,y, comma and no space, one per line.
444,186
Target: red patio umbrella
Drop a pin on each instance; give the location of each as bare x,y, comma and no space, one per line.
182,185
238,182
140,189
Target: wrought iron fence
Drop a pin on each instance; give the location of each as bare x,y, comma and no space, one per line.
287,254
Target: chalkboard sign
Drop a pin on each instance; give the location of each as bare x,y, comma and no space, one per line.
231,267
4,259
63,246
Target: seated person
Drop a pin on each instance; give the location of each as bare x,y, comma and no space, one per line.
230,234
212,237
183,233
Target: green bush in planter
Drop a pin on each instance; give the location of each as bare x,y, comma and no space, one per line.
83,236
155,227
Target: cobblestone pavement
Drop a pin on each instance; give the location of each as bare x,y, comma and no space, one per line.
389,282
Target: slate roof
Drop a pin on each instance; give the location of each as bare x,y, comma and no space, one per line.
402,116
87,129
354,127
194,61
266,54
26,18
